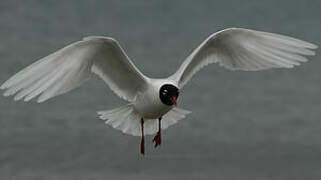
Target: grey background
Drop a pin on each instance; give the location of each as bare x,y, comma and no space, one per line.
244,125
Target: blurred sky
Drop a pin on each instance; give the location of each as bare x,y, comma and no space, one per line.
245,125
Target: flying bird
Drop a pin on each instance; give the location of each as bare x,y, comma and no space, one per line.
152,103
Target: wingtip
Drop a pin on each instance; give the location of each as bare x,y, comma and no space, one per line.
40,100
8,83
314,46
309,52
309,45
7,93
26,100
305,44
3,86
16,98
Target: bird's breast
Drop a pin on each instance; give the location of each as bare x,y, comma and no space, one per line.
149,105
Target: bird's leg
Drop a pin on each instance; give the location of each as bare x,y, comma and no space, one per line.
157,138
142,142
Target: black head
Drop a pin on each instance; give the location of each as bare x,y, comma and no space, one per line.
168,94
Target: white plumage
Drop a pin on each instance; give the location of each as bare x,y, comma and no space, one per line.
66,69
244,49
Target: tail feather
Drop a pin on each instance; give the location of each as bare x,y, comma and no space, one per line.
173,117
127,120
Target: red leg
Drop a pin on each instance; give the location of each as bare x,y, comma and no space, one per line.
157,139
142,142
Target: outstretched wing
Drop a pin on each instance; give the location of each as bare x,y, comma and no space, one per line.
243,49
70,66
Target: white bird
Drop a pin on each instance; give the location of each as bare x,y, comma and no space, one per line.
152,101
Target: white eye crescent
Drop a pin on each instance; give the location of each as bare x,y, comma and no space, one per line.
165,92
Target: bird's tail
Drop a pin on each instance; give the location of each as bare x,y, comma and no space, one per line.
127,120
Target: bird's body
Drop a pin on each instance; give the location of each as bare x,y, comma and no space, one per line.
148,103
152,102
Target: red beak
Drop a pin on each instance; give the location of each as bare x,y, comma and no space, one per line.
174,101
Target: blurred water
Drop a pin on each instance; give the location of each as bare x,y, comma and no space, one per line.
244,125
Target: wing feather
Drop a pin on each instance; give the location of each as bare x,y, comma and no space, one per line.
244,49
72,65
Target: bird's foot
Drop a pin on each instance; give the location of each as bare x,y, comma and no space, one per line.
157,139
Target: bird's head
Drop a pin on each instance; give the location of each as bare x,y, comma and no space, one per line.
168,94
